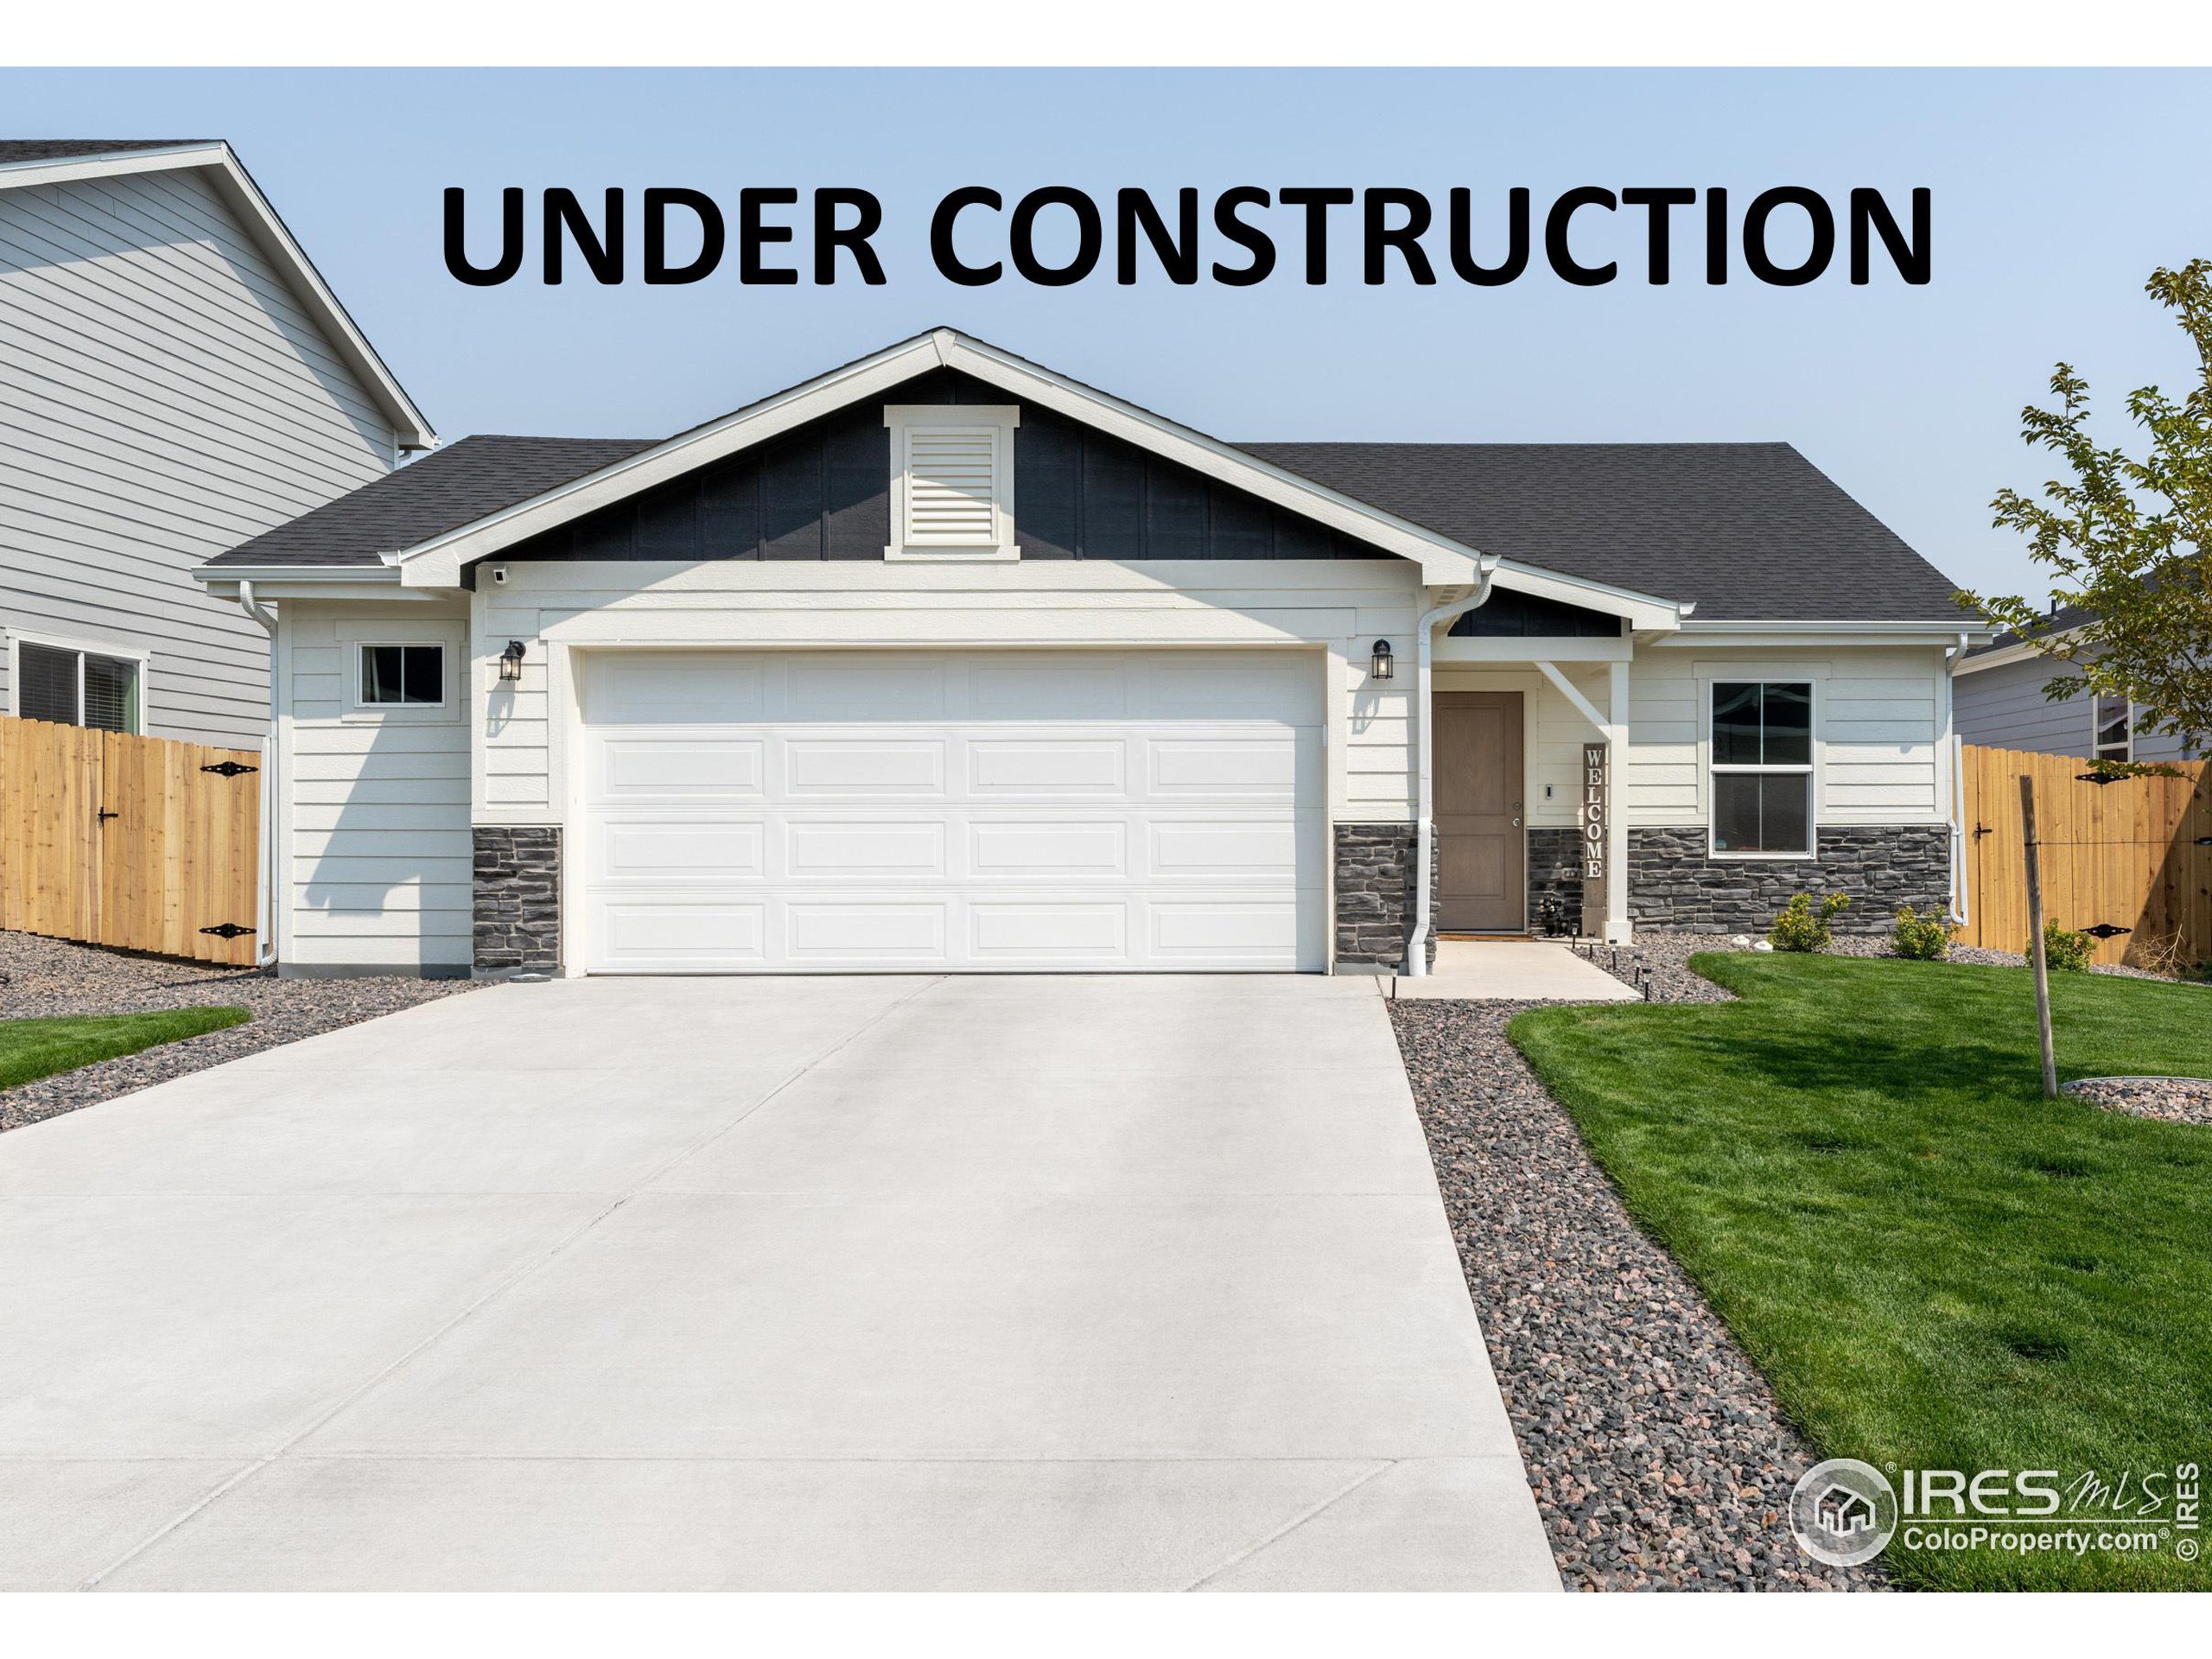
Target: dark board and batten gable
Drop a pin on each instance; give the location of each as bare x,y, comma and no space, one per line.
823,491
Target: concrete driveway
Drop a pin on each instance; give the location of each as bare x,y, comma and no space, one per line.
1018,1283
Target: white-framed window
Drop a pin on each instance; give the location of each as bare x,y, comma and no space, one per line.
2112,734
952,480
1762,767
399,677
76,683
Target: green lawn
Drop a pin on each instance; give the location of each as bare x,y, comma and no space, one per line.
30,1049
1934,1266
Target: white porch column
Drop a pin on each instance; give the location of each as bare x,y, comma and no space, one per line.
1617,930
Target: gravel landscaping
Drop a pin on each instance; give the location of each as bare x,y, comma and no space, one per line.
42,976
2172,1100
1658,1456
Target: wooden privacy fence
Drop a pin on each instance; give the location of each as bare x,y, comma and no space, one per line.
138,843
2125,855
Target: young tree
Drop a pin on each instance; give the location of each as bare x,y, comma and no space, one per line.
2130,541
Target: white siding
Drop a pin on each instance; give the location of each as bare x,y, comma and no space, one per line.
165,398
375,821
1877,729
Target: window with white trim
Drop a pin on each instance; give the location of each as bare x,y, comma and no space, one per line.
1761,765
952,480
400,677
77,688
2112,733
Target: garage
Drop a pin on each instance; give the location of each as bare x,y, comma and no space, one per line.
1017,811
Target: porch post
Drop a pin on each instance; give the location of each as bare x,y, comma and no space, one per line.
1616,922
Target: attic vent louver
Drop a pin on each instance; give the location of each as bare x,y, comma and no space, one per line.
952,480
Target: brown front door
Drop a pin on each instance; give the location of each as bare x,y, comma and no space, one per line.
1482,882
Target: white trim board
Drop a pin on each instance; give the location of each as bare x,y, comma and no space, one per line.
235,186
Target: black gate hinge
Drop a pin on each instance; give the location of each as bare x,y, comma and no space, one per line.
230,768
227,930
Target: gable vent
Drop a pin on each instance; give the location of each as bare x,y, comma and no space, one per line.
951,490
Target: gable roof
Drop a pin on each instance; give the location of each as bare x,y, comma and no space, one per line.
442,491
1746,531
26,162
1741,532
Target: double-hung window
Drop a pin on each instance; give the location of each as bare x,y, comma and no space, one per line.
77,688
1763,768
2115,733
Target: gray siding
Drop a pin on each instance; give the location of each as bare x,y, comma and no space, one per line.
163,398
2005,709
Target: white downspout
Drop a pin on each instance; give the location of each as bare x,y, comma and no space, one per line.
1961,908
264,890
1416,962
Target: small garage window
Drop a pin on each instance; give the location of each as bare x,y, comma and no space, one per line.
402,676
1763,768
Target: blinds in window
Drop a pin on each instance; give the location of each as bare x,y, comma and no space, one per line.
950,487
48,687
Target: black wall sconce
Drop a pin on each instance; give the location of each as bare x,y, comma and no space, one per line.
510,661
1382,665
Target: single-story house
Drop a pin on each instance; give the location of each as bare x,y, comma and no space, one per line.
2001,704
943,661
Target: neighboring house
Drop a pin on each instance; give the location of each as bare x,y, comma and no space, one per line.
174,378
2001,704
944,661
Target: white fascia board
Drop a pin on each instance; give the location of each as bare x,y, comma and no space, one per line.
437,563
1444,562
1643,611
1821,633
1488,649
238,191
2008,656
308,582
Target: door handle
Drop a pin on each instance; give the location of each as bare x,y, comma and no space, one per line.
104,817
1516,824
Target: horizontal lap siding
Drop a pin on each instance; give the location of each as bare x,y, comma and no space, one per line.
377,819
167,399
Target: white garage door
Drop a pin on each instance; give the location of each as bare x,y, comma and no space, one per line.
1009,811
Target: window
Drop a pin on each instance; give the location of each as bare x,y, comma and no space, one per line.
76,688
952,480
411,676
2115,733
1763,768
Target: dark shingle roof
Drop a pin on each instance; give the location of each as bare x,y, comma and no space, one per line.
1750,532
1747,531
61,149
443,491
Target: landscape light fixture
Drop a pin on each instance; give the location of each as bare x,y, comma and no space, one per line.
1382,665
510,661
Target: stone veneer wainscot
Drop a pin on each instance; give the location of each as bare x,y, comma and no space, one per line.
1674,881
1375,897
518,899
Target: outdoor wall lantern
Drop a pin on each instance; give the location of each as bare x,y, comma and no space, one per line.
1381,665
510,661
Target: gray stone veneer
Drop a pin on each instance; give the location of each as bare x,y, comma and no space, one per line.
1674,882
518,891
1375,871
1555,873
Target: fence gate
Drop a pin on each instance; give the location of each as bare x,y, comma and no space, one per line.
2135,855
138,843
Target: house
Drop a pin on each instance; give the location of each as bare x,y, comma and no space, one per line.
174,377
2001,704
943,661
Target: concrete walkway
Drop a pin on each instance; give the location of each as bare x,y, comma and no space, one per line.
1516,971
851,1283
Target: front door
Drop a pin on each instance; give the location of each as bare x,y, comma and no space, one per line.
1482,882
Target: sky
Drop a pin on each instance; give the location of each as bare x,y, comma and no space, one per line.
2055,194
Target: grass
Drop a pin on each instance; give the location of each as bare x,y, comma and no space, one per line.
1934,1267
31,1049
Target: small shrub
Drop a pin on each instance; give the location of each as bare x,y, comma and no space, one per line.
1920,939
1799,927
2064,949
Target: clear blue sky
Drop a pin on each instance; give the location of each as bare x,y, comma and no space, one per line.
2055,194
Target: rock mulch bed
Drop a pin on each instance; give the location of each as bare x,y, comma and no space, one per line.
1658,1456
2170,1100
41,977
